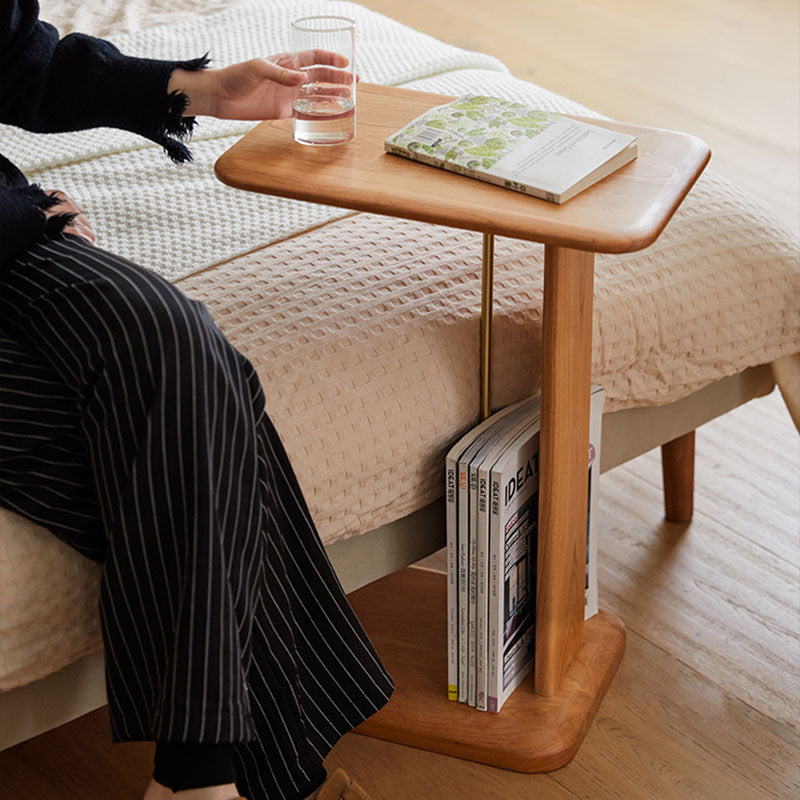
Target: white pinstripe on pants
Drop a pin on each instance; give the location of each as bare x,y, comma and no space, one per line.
137,434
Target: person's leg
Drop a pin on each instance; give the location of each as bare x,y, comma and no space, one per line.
222,620
305,634
150,391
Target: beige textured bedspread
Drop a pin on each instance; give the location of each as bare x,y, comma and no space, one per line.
365,332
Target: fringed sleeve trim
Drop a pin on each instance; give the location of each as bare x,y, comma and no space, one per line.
176,128
55,223
23,218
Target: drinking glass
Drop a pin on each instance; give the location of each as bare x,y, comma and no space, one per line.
325,110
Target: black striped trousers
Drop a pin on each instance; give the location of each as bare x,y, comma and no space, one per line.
137,434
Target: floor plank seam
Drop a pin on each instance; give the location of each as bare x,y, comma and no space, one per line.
794,739
706,516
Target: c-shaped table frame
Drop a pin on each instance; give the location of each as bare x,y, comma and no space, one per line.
405,613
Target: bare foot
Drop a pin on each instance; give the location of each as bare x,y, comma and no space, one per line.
156,791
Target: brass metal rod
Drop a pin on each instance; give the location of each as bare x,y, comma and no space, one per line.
487,282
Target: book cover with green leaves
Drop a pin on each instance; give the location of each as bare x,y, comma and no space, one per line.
514,145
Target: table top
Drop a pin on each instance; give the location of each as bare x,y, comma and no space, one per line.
624,212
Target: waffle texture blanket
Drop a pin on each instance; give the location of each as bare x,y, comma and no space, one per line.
177,220
365,330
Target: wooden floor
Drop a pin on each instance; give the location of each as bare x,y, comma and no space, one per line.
707,701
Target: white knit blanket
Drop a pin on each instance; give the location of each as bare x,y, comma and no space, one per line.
179,219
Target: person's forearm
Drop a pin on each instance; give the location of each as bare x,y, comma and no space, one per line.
199,86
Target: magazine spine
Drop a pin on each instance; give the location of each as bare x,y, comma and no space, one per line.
495,571
452,587
472,587
502,510
462,564
483,588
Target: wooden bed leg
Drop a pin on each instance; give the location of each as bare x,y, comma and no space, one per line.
677,467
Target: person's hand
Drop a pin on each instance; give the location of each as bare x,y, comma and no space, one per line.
262,88
80,225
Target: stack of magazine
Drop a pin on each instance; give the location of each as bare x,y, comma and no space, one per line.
492,501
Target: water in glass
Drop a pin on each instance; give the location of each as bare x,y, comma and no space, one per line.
323,119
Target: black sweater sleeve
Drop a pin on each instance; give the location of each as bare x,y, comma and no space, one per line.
51,85
22,218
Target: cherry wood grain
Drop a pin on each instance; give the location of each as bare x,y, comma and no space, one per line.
624,212
677,466
405,616
566,384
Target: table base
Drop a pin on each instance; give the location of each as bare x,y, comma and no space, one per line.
405,616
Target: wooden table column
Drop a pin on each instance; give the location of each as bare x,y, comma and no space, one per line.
563,465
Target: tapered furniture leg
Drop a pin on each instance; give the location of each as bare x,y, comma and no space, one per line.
564,459
677,467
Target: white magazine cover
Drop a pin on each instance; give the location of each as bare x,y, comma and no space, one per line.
463,550
597,400
483,469
451,509
498,432
513,527
513,517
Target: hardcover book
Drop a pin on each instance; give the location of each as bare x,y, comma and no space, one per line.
514,145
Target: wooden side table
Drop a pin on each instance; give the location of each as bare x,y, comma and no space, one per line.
404,613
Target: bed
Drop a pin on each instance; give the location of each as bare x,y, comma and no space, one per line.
364,329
